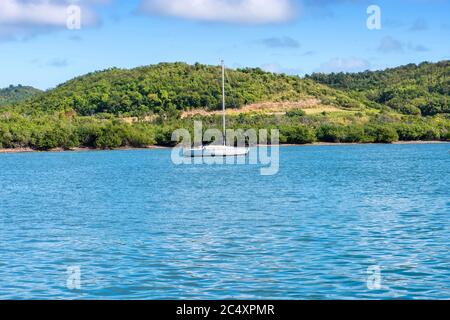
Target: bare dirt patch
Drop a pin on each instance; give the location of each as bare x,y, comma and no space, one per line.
310,106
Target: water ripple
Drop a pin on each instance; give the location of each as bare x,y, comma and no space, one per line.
141,228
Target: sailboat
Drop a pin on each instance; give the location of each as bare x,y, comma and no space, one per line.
218,150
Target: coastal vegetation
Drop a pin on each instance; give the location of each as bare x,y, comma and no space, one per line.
143,106
62,130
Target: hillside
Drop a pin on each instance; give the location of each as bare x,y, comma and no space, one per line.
13,94
412,89
174,87
143,106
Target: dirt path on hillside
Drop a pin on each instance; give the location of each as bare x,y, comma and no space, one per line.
310,106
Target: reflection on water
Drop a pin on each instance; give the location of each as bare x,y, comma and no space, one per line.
139,227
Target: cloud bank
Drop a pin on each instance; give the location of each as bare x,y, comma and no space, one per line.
24,18
228,11
391,45
345,65
280,42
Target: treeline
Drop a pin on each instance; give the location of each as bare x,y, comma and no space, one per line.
422,89
69,131
169,88
297,128
172,87
59,131
14,94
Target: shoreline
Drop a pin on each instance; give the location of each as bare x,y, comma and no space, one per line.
74,150
316,144
330,144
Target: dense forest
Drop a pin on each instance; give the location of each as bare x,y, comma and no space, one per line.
402,104
14,94
412,89
67,131
171,87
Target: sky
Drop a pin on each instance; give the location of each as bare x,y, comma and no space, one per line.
43,43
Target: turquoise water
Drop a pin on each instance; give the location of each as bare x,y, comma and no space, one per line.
139,227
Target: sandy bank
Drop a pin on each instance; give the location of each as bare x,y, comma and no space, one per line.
316,144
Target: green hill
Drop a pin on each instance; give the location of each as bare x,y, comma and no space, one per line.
143,106
411,89
13,94
168,87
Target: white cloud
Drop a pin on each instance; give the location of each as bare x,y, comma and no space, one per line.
280,42
345,65
419,25
277,68
389,44
417,47
229,11
58,63
13,12
28,17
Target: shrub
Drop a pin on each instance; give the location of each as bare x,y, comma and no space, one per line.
294,113
138,137
298,135
110,136
87,133
380,134
412,132
163,137
338,133
330,133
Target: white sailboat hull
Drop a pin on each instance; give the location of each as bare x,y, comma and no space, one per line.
215,151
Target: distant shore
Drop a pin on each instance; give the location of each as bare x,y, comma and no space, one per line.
325,144
29,150
316,144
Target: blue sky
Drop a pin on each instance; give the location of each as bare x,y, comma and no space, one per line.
291,36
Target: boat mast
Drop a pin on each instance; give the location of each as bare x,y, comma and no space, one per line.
223,104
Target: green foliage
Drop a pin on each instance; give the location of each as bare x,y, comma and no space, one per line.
413,132
110,136
14,94
340,133
48,132
411,89
295,113
88,111
169,88
139,136
164,136
297,135
60,130
380,134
